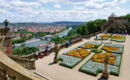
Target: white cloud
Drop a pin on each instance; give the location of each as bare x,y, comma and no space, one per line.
19,3
57,6
123,1
82,10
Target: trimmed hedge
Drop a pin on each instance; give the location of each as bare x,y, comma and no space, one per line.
93,68
69,61
100,39
96,50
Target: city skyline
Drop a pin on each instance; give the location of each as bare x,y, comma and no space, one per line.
61,10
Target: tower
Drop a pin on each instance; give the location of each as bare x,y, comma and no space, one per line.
112,18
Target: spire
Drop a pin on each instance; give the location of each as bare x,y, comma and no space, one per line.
113,15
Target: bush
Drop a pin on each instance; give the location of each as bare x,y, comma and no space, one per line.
24,51
96,50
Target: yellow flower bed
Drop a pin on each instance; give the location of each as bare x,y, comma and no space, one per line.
89,45
80,53
110,48
118,36
101,58
106,36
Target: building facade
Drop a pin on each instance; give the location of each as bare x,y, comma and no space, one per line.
117,23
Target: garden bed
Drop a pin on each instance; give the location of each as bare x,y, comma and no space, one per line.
73,57
104,37
78,52
90,45
118,38
93,68
69,61
101,57
114,48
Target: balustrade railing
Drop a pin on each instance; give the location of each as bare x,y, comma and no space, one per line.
10,70
27,63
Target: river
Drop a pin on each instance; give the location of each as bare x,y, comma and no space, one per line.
36,42
32,43
64,33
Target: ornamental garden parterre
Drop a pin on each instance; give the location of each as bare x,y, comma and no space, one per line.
95,64
112,37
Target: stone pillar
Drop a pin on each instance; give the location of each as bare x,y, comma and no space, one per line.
33,64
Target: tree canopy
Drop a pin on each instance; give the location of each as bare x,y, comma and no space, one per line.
127,16
91,27
24,50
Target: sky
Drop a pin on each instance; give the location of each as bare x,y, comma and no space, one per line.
61,10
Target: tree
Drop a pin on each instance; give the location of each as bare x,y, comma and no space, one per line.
83,30
91,27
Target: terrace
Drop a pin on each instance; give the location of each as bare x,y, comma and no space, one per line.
74,63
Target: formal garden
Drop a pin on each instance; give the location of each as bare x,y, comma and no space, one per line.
95,64
112,37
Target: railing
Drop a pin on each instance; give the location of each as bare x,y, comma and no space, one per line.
10,70
73,41
27,63
30,56
90,35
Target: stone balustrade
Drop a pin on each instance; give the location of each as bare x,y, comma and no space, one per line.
30,56
3,31
27,63
91,35
10,70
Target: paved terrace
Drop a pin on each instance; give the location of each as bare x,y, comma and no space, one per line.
58,72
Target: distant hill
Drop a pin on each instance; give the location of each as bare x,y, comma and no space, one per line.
44,23
68,22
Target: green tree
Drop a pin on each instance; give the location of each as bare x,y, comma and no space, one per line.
91,27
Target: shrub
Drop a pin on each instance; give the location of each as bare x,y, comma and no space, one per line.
96,50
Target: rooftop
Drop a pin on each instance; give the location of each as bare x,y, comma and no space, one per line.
113,15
